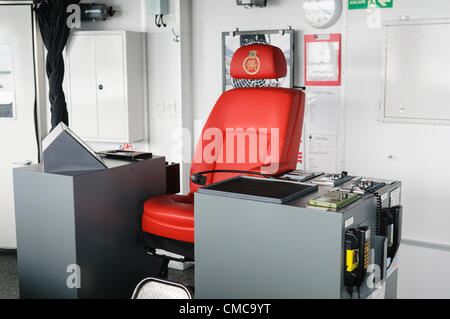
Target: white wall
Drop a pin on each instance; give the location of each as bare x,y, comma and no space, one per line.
162,68
212,17
420,156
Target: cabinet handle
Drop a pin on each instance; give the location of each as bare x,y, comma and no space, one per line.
100,87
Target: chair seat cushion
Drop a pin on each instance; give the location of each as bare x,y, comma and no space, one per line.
170,216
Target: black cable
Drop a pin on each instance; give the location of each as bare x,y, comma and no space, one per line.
380,231
35,115
156,22
350,292
200,179
161,21
380,222
36,130
235,171
390,264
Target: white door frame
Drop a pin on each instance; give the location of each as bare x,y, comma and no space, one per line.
39,72
39,77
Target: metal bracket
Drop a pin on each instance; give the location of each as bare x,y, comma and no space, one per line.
153,252
176,36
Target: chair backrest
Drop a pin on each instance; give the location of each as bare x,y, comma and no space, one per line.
252,129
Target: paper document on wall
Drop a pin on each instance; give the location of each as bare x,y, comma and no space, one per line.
321,151
323,112
323,61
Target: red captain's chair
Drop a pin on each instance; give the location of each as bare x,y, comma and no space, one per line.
273,115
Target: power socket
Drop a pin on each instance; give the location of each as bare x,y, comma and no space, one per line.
171,107
159,108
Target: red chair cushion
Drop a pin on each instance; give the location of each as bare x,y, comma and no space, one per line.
170,216
258,61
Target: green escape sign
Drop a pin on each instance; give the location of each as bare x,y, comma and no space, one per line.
369,4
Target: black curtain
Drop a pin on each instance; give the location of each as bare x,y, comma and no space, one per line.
52,18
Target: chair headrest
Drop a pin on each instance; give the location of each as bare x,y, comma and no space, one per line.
258,61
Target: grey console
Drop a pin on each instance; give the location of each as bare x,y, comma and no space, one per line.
252,249
79,233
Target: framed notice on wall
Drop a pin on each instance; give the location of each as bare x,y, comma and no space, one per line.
7,93
323,60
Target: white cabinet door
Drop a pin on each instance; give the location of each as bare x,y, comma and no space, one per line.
83,84
112,115
104,86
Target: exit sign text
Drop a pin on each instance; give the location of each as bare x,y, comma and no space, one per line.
369,4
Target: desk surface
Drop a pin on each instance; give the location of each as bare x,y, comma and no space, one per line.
109,162
262,189
303,201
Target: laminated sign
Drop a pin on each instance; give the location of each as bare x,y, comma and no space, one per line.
323,59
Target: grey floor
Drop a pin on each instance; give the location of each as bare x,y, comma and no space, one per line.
185,277
9,282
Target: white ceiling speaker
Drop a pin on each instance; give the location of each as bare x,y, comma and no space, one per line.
322,14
